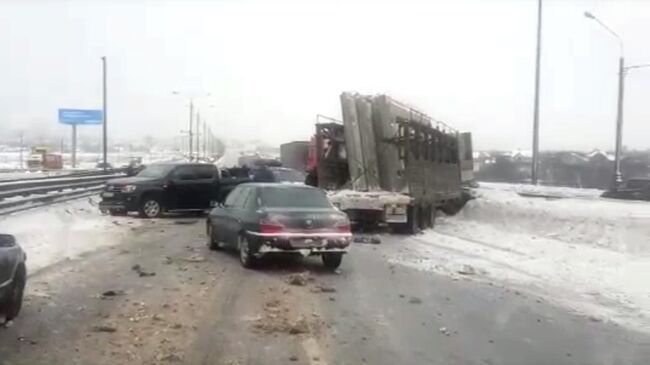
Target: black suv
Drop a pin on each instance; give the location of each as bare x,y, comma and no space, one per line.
166,187
13,275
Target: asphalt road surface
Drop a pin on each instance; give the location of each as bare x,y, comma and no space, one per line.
161,297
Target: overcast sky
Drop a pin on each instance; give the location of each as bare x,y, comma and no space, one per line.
272,66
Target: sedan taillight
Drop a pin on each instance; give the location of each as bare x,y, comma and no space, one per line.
270,226
343,227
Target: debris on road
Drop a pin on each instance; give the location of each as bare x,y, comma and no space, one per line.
373,239
467,270
326,289
293,358
112,293
105,327
186,222
299,326
167,260
195,258
297,279
444,331
137,268
415,300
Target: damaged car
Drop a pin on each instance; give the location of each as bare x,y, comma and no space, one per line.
261,219
13,275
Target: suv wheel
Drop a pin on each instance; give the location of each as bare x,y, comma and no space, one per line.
14,302
150,207
245,255
332,260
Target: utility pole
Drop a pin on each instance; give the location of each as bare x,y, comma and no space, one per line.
617,180
535,166
104,117
73,155
21,149
198,135
191,122
618,177
205,138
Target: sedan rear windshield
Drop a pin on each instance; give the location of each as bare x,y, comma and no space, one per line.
277,197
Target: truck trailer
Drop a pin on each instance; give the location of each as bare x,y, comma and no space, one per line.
389,164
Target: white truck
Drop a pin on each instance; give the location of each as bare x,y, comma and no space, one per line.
388,163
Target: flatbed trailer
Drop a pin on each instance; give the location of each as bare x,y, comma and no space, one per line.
389,164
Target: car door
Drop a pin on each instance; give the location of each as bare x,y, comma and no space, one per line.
234,217
219,216
205,185
186,187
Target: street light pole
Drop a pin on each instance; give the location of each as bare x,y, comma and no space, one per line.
617,180
535,163
190,132
618,177
104,115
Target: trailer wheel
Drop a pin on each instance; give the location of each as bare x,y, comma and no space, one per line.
412,220
429,216
423,217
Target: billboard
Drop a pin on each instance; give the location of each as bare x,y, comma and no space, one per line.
80,116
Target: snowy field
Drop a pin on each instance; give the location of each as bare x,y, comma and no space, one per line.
64,231
590,255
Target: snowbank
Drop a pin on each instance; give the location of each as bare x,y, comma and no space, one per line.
592,256
63,231
618,225
559,191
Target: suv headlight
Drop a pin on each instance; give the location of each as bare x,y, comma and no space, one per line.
128,188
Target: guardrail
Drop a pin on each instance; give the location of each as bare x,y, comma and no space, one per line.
31,187
70,174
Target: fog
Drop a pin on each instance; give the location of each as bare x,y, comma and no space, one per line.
270,68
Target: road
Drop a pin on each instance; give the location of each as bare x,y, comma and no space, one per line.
190,305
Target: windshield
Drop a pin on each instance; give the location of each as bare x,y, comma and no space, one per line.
288,175
275,197
155,171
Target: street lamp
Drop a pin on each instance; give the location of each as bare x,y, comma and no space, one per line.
190,132
622,70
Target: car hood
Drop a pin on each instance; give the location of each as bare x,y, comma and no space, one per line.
130,180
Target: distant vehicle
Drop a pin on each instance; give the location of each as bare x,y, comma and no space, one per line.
277,174
135,166
295,155
104,166
40,158
260,219
13,276
634,189
167,187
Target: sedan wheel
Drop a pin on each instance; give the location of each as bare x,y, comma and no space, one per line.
212,243
245,256
150,208
15,300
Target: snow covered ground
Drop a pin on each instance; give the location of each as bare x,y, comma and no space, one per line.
63,231
559,191
590,255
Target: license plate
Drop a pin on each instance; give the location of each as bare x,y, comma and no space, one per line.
306,242
107,195
396,218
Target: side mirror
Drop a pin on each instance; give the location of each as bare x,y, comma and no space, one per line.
7,240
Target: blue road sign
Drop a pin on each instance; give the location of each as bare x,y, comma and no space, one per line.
80,116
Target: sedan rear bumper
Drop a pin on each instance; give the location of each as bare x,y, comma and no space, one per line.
304,243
